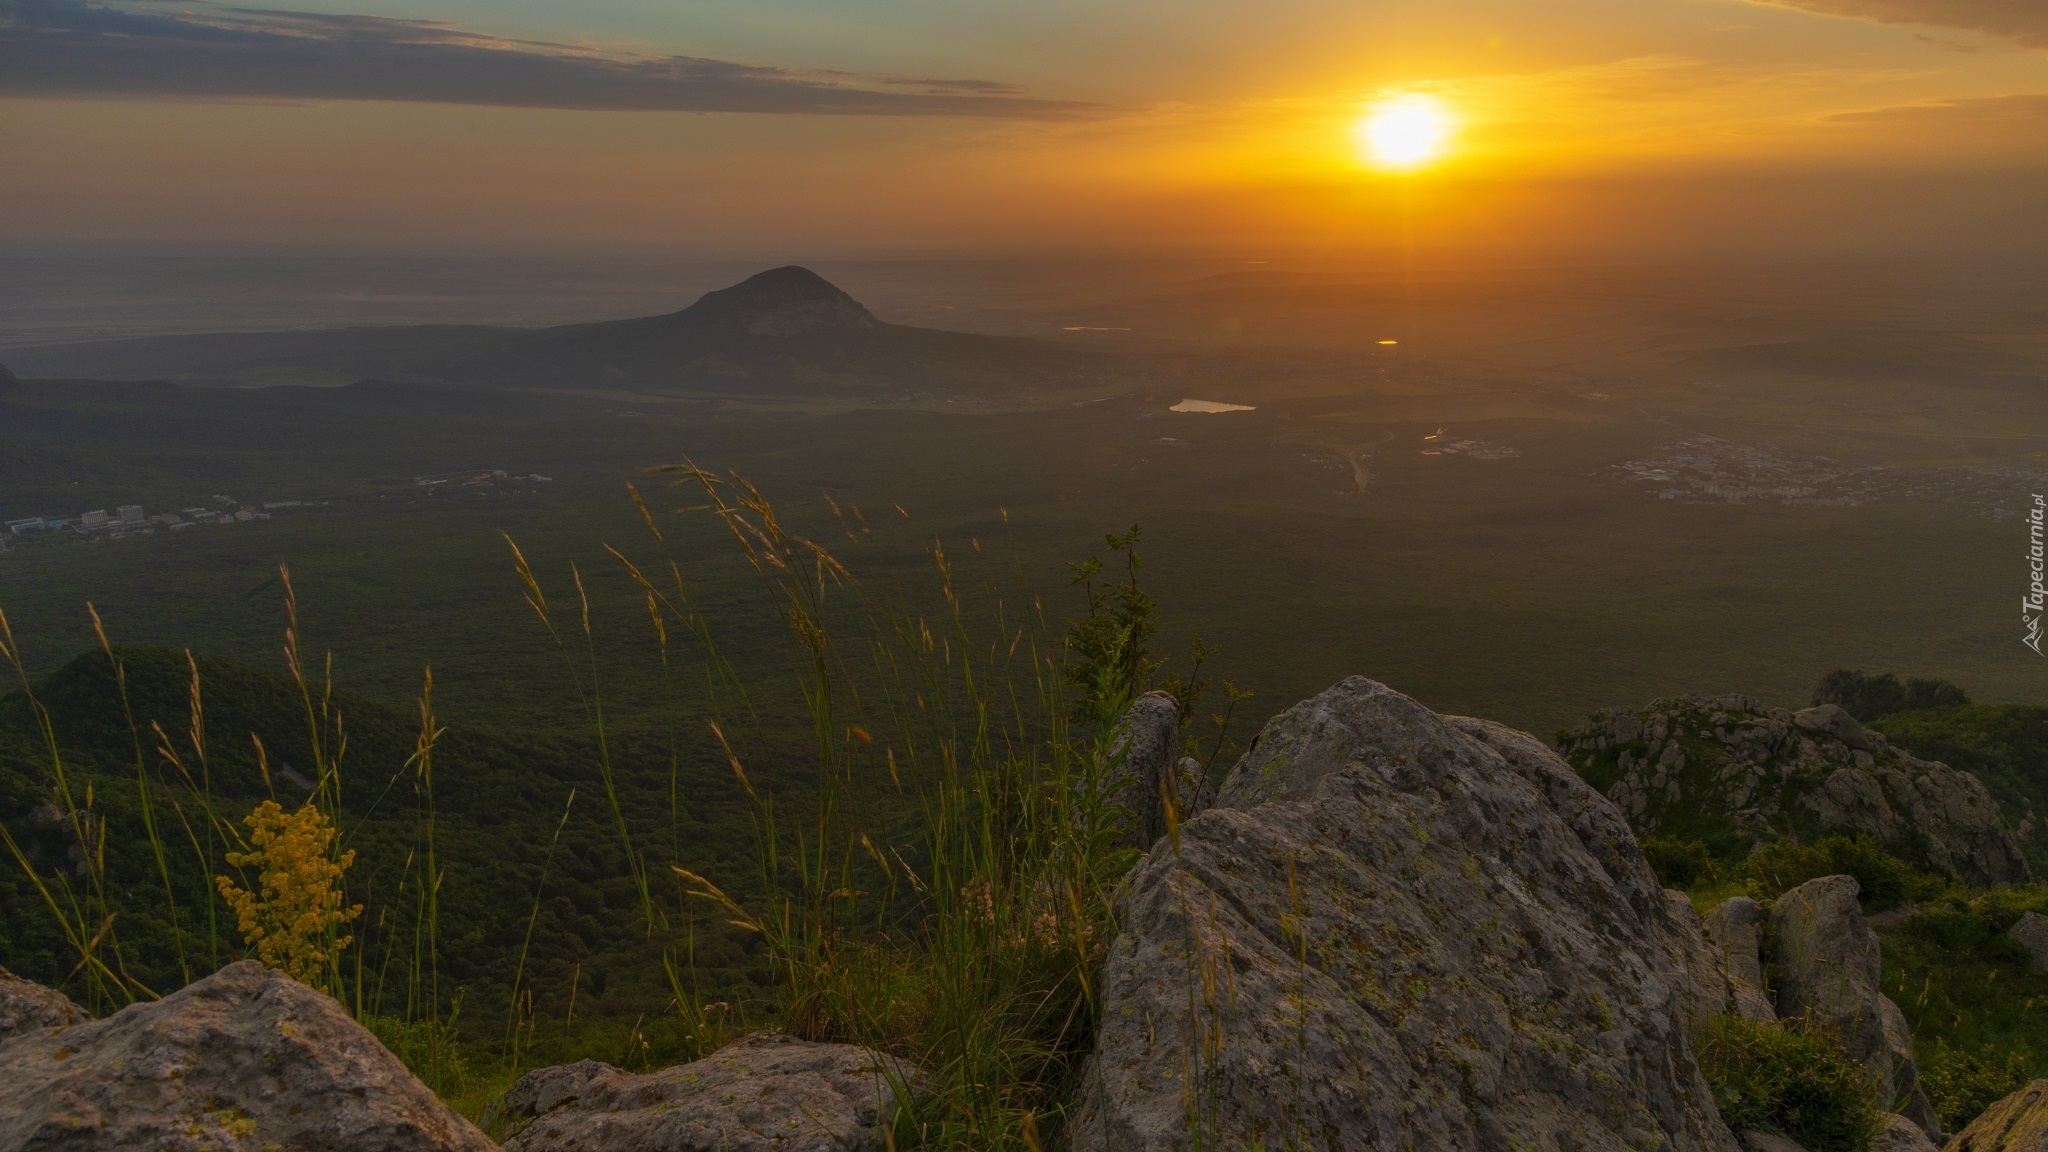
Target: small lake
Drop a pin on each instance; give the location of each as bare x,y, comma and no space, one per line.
1209,406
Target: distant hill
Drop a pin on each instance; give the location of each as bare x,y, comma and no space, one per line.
786,331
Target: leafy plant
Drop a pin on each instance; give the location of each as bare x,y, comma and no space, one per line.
1883,879
1963,1084
1678,863
1790,1077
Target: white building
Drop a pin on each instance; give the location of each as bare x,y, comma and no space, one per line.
131,514
93,521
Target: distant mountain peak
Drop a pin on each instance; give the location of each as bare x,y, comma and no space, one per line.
787,301
6,377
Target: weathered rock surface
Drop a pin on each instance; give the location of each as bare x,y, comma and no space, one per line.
1902,1135
1709,991
26,1006
1828,963
2018,1123
1754,1141
1732,770
766,1092
246,1060
1151,746
1396,929
545,1089
2031,932
1736,926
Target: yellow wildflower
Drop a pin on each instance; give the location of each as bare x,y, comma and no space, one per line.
293,918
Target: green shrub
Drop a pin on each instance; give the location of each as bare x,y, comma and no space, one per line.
1791,1077
1870,698
1780,866
1962,1084
1678,863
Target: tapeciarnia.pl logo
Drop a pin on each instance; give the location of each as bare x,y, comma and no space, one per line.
2031,606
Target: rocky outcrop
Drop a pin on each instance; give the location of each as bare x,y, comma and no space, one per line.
767,1092
1735,773
2018,1123
1736,926
1828,964
2031,933
26,1006
1396,929
1152,768
1754,1141
246,1060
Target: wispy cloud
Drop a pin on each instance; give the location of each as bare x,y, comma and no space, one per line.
197,50
2029,108
2023,20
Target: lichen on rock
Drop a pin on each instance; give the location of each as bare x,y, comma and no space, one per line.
1396,929
245,1060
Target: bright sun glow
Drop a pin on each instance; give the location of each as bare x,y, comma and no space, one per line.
1405,131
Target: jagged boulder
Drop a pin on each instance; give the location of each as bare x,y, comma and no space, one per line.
246,1060
26,1006
1151,768
766,1093
1736,926
2018,1123
1396,929
1828,964
1730,771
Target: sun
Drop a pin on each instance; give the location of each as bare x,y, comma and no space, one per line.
1405,131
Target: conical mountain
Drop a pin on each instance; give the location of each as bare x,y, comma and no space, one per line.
787,301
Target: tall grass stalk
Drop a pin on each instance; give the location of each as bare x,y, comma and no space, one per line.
969,949
593,706
144,794
526,942
86,918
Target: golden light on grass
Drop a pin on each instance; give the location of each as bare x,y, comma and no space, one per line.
1405,131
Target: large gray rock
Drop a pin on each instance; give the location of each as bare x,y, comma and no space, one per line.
545,1089
1397,930
2018,1123
1152,768
1828,964
1710,992
2032,934
766,1092
246,1060
1736,926
26,1006
1754,1141
1731,768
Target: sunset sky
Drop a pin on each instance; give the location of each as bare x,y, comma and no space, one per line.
1004,125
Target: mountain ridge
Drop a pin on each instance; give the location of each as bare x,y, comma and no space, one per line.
785,331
